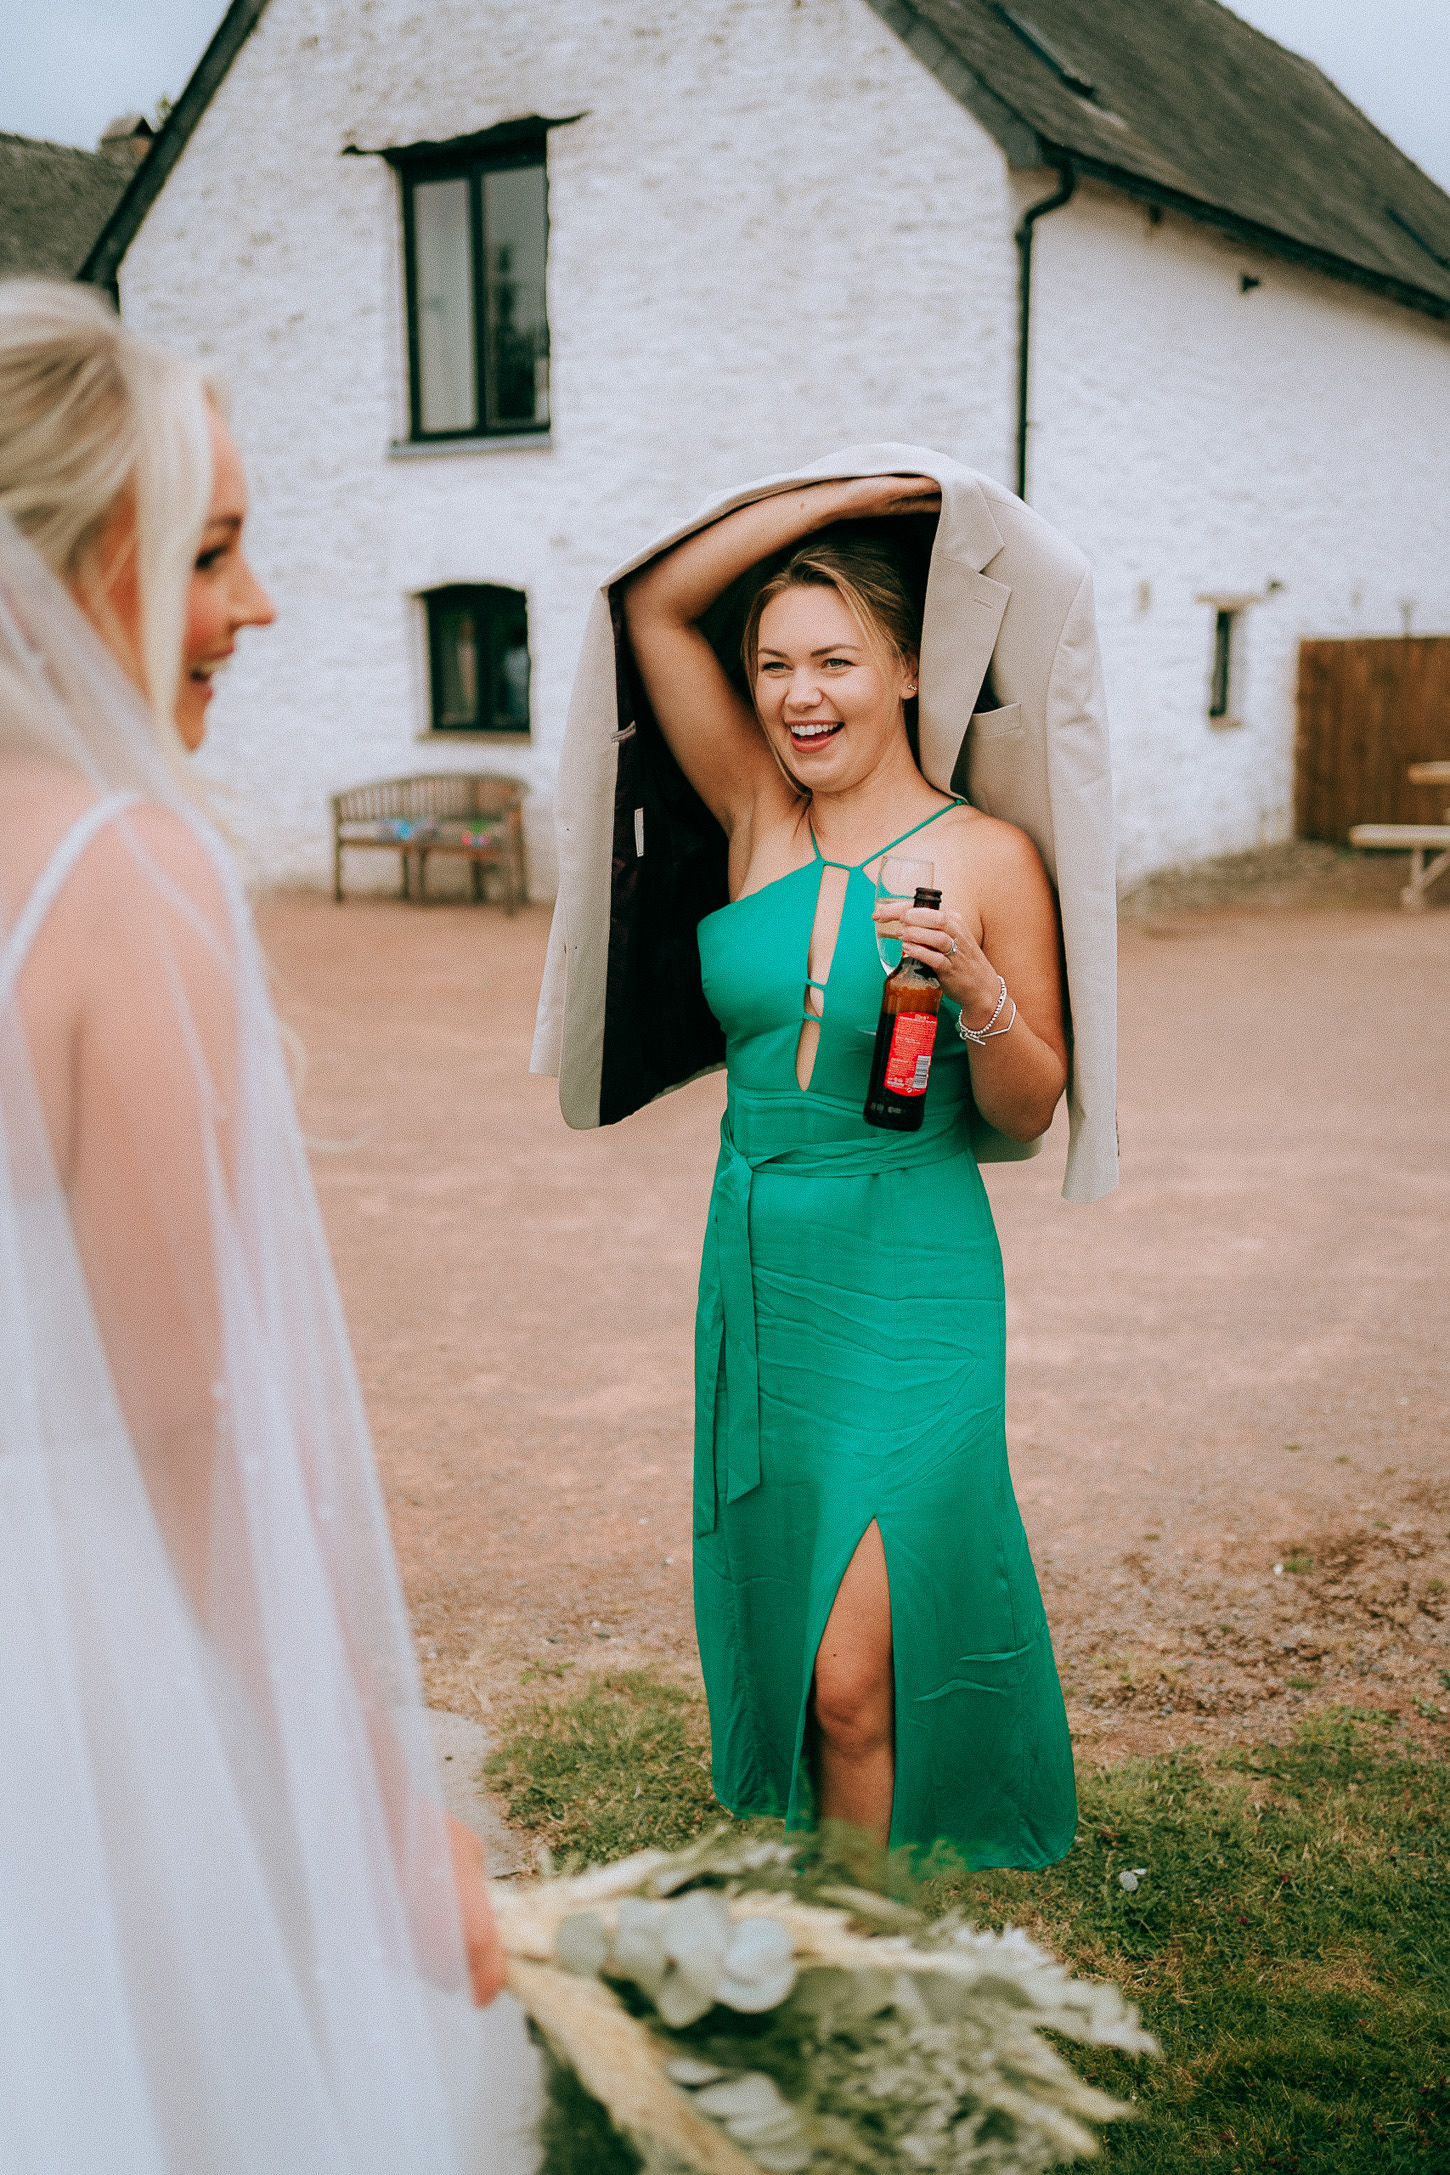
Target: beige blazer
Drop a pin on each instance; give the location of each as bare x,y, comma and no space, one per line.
1012,714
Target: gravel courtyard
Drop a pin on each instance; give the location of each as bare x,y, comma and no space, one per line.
1226,1395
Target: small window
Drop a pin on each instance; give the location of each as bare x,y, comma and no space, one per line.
478,660
1221,683
475,234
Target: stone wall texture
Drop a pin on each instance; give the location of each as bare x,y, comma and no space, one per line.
772,232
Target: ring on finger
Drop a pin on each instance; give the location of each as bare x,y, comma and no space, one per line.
953,952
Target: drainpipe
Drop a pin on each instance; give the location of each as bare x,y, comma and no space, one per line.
1066,183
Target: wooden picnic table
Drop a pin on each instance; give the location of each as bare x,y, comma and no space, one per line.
1418,838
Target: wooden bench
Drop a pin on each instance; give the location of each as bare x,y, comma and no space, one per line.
478,819
1420,839
1416,838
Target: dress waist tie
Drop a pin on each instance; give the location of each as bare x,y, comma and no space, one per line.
794,1138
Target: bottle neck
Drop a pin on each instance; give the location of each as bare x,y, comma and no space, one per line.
912,971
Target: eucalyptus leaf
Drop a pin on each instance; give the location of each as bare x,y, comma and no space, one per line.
759,1967
582,1944
696,1931
692,2074
748,2097
638,1948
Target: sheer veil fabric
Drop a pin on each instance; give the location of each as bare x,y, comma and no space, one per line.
229,1939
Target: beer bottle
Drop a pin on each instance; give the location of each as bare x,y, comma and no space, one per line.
905,1034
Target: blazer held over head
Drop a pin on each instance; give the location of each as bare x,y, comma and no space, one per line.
1011,713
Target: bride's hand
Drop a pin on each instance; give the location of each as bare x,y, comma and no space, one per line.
487,1964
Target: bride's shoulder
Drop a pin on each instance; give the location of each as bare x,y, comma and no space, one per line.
153,867
139,858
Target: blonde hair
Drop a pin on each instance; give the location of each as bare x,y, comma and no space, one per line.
870,583
90,413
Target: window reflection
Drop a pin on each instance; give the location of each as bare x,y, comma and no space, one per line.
480,358
458,661
478,642
518,345
447,354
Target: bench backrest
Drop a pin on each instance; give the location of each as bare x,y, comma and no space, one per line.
445,793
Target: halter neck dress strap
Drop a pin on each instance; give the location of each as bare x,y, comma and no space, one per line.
954,802
50,882
856,866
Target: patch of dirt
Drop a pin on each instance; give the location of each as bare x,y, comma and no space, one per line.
1300,872
1346,1615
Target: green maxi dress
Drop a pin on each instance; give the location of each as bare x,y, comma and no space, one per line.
849,1367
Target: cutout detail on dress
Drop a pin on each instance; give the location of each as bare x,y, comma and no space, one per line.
825,929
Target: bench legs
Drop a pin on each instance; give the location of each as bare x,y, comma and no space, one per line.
510,867
1412,898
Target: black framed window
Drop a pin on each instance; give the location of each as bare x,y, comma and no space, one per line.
475,243
1220,686
478,659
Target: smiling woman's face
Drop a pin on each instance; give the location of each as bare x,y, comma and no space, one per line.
827,706
223,596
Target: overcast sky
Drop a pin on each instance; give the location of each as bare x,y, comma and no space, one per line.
72,65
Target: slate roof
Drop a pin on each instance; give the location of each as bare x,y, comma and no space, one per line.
1177,102
54,200
1182,104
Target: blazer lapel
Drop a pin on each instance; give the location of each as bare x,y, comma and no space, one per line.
964,610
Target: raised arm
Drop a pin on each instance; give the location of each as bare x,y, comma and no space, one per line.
712,733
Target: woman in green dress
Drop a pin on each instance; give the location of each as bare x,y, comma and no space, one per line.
873,1640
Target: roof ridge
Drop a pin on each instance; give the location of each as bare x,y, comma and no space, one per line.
49,143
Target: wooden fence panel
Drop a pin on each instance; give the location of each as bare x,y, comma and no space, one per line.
1368,708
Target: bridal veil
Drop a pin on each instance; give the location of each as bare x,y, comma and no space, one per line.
229,1936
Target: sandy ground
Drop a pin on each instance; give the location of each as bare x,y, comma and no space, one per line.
1235,1363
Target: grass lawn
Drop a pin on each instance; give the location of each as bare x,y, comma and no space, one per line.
1288,1938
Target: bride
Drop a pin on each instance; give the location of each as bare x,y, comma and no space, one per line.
237,1932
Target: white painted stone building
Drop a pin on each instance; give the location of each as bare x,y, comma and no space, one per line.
775,227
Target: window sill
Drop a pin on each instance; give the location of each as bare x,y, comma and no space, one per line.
412,449
493,739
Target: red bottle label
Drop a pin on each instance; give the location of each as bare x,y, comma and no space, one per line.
908,1062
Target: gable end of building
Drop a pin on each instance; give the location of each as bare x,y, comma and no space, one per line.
103,262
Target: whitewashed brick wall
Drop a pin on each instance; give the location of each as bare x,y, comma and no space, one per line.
772,233
1199,440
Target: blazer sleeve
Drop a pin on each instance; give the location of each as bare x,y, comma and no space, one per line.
1080,791
570,1023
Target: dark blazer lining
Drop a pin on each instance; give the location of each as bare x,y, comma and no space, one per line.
658,1029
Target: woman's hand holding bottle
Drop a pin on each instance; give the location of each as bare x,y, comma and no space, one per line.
939,938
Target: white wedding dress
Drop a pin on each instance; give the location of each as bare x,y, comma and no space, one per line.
229,1941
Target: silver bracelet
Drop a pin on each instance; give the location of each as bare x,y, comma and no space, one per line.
979,1035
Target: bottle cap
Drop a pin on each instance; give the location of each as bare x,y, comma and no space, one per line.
925,897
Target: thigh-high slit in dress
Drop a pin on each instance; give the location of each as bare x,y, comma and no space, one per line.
850,1369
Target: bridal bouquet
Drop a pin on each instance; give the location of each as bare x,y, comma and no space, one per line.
735,2015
